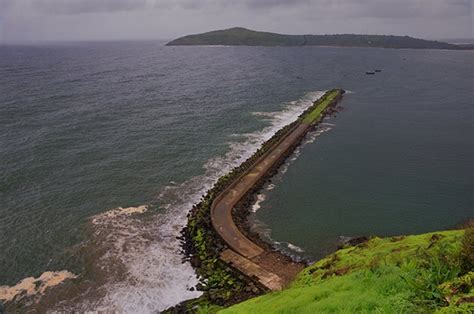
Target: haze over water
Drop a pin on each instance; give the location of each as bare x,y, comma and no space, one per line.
88,127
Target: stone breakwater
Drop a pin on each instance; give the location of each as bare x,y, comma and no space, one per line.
229,272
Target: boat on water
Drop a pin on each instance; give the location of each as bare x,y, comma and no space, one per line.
370,73
378,71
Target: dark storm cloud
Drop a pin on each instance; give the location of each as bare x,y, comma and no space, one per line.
363,8
87,6
100,6
274,3
107,19
411,8
72,6
373,8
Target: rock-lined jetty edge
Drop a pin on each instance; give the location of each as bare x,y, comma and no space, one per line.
232,263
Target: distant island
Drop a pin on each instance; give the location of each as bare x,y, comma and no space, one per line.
239,36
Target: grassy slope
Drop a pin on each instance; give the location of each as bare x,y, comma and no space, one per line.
393,275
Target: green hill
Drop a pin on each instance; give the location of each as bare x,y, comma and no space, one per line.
239,36
414,274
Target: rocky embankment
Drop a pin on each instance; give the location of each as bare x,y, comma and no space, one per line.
222,284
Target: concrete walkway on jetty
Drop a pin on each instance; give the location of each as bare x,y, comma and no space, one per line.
269,268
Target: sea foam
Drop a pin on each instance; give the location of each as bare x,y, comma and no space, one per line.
34,286
145,251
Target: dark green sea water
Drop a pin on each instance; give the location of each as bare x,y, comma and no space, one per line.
88,127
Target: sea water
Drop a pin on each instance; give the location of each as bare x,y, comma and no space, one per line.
104,147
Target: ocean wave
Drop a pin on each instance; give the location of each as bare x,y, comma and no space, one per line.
256,206
287,248
294,247
142,264
313,135
114,213
142,261
270,187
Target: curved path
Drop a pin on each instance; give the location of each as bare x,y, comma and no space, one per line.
221,209
268,268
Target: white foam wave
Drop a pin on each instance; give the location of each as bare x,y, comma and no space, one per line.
256,206
34,286
271,186
296,154
147,255
294,247
265,233
313,135
154,275
117,212
327,124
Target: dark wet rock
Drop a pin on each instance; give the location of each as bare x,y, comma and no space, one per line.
195,262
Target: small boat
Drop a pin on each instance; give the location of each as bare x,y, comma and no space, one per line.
370,73
378,71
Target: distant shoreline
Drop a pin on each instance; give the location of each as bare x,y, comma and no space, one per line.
239,36
461,48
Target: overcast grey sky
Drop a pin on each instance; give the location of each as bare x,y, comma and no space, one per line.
38,20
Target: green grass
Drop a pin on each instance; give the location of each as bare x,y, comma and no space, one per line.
315,114
413,274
